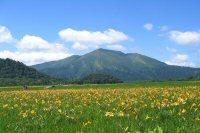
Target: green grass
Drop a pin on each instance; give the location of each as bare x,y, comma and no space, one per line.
142,84
128,107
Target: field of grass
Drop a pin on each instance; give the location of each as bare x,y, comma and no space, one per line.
134,107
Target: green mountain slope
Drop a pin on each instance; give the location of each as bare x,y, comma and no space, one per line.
127,67
16,73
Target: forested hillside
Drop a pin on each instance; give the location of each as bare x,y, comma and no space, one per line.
16,73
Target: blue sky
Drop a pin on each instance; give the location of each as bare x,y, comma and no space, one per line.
35,31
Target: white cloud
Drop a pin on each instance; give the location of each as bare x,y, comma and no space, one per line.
84,40
180,60
5,35
33,50
31,58
173,50
185,38
106,37
116,47
148,26
78,46
181,57
30,43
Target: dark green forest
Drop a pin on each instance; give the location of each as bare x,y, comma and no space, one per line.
14,73
98,79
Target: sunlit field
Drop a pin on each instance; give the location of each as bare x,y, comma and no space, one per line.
136,107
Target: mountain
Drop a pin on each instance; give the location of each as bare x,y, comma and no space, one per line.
127,67
16,73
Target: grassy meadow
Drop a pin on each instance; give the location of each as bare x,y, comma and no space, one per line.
129,107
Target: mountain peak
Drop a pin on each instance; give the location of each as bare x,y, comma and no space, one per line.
100,49
106,51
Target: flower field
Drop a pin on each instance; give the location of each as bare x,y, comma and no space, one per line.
146,109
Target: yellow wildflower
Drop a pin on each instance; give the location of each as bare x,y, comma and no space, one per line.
5,106
60,111
147,117
121,114
86,123
183,111
23,114
109,114
33,112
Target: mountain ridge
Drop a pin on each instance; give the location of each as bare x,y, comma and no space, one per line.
125,66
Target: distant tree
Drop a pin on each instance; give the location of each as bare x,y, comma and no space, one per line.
98,79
